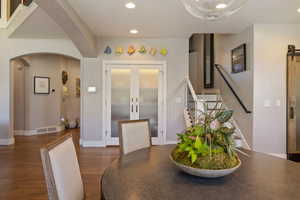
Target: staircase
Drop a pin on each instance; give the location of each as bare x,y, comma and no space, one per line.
212,98
215,103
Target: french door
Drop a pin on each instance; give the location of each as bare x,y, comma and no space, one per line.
134,92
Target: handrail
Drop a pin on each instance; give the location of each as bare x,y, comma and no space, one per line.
190,87
218,67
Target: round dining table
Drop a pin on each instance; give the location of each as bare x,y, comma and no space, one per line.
149,174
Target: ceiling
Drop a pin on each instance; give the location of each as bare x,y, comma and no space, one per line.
168,18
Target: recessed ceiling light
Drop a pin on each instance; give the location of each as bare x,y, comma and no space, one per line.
298,10
130,5
134,31
221,6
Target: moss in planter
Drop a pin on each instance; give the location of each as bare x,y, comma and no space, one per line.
216,162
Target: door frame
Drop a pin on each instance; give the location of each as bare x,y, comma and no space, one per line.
162,65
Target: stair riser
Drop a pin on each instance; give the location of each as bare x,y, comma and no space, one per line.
208,97
211,105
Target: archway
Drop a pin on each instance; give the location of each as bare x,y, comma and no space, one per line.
41,101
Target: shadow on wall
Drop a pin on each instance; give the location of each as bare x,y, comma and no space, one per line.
46,89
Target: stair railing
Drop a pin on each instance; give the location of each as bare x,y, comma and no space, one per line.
219,67
194,105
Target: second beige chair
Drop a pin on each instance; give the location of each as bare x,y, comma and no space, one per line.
61,170
134,135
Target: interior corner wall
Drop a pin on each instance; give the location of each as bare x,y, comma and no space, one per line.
18,76
242,82
70,108
196,64
177,70
270,54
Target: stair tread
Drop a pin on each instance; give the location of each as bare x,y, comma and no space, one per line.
210,91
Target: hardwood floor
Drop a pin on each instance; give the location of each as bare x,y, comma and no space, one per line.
21,172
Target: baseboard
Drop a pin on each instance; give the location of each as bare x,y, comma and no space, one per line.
284,156
8,141
171,142
92,143
40,131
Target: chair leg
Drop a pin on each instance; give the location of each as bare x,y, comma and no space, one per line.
102,195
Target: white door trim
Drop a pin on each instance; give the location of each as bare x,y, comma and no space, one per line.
127,63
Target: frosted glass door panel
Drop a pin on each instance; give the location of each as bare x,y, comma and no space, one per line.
148,94
120,98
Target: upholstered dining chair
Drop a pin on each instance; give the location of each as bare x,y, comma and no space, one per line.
134,135
61,170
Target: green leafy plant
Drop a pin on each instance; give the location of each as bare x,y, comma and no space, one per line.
208,144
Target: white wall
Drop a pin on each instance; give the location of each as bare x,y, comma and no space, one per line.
270,49
177,70
241,82
43,110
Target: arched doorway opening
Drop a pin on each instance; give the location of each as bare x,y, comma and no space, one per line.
45,94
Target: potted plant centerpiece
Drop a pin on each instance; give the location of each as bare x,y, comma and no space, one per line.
207,149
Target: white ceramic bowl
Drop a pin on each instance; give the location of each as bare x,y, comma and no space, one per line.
205,173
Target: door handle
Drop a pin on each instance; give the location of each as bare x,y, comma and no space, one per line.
292,113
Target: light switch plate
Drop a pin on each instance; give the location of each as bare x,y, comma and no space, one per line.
92,89
267,103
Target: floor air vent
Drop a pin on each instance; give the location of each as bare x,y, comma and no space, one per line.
41,130
52,129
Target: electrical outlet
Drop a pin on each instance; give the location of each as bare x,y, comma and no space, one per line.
278,103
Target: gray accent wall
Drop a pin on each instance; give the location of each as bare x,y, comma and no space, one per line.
241,82
91,74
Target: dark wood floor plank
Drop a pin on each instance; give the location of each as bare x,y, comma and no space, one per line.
21,172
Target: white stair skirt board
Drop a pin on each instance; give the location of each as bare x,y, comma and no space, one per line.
92,143
8,141
40,131
284,156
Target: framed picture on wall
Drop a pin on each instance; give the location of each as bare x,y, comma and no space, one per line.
238,59
41,85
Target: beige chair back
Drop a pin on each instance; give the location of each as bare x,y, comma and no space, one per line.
61,170
134,135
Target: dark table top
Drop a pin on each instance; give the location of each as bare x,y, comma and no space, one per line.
148,174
